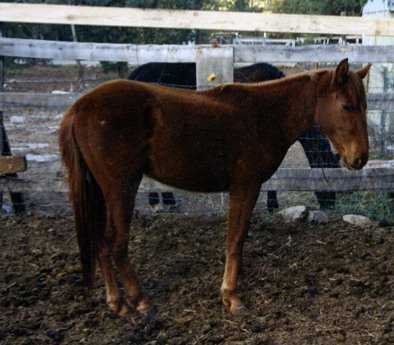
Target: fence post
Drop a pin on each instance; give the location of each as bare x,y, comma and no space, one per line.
2,82
343,14
5,150
384,114
2,60
214,66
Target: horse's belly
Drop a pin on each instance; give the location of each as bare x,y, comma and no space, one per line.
198,158
151,184
192,178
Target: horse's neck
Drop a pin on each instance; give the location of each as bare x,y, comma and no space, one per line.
296,97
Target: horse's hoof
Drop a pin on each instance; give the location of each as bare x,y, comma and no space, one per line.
149,315
124,310
121,308
242,310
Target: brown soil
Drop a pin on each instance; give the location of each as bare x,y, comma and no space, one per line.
305,283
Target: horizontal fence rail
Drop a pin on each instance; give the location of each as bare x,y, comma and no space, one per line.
205,20
339,180
188,53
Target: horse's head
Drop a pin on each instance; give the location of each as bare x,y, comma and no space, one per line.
341,113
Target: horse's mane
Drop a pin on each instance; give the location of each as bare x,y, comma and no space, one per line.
310,74
354,85
355,88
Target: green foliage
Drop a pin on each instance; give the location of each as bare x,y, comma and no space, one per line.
327,7
376,205
244,6
137,35
168,36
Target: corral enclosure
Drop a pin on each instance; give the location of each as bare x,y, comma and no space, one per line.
307,283
32,128
35,98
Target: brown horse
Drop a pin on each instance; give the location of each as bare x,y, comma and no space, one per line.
229,138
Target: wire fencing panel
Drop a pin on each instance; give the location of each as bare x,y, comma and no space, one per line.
32,128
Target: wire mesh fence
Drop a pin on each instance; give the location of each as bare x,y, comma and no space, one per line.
32,129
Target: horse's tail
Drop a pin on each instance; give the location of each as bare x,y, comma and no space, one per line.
86,198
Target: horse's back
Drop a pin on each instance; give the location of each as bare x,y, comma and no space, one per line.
258,72
170,74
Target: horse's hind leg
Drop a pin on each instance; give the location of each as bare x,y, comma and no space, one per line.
114,296
120,201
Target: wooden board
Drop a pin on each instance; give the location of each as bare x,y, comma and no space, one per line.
96,51
371,179
12,164
39,185
46,100
188,53
204,20
214,66
380,101
314,53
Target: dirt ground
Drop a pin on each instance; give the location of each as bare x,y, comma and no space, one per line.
305,283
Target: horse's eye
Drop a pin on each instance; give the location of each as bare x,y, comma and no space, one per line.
346,107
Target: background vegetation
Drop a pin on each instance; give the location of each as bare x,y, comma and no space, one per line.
169,36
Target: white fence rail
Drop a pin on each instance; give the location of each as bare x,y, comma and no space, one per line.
188,53
205,20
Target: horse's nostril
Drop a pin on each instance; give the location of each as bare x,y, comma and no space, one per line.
358,163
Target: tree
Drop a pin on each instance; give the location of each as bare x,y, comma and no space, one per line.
245,5
327,7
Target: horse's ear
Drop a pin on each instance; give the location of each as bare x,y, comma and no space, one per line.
362,72
341,73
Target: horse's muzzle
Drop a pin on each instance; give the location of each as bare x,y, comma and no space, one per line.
357,164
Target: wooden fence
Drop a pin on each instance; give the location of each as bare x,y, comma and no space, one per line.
208,60
205,20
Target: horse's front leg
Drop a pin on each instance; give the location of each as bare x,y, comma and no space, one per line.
242,201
